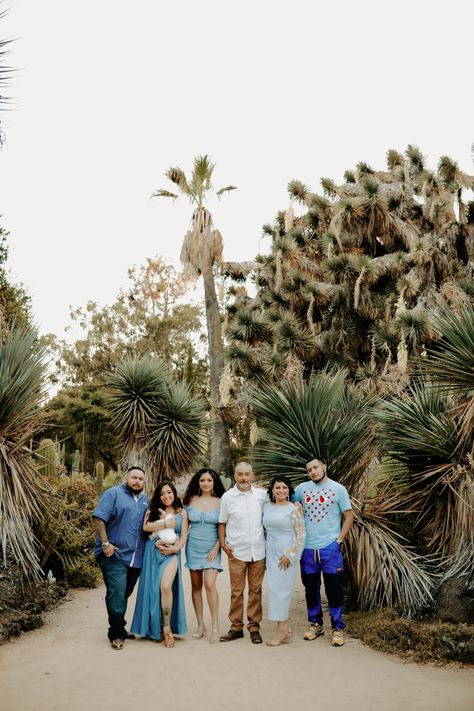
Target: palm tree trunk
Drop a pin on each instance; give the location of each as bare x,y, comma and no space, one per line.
220,446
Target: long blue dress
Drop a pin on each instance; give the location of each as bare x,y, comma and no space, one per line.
202,537
147,616
284,527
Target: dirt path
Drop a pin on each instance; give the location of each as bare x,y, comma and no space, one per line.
68,665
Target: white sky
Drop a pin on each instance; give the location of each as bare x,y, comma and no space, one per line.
111,93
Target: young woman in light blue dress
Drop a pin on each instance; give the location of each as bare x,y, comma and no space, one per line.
203,555
284,525
159,609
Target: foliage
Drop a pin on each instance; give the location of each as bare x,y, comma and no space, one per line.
22,492
201,252
160,425
381,253
66,535
151,317
418,641
320,418
15,303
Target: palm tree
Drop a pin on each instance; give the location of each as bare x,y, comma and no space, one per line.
23,492
201,251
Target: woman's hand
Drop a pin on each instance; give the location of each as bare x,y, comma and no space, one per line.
283,562
227,549
166,548
213,553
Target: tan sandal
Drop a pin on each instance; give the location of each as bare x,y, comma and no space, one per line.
116,643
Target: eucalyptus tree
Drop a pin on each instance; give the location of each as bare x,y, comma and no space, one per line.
202,252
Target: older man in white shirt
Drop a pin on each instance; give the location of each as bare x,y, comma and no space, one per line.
241,537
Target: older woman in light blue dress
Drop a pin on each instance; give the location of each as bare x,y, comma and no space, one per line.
284,525
203,555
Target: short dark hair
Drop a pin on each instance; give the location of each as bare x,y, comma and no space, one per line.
315,459
284,480
193,487
134,466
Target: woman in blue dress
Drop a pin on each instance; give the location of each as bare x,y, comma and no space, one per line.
284,525
203,555
159,609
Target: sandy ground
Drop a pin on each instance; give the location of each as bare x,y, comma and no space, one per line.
68,665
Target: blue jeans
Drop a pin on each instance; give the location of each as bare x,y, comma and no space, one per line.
119,581
327,561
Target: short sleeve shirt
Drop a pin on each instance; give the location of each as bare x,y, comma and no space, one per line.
242,514
323,505
123,515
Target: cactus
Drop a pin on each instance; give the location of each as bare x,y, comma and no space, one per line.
99,477
76,462
47,457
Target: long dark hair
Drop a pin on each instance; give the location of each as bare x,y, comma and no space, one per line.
156,503
193,488
284,480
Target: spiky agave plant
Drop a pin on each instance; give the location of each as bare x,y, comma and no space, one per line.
23,493
320,418
325,418
160,424
424,434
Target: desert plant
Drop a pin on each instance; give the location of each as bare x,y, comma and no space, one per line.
23,492
159,422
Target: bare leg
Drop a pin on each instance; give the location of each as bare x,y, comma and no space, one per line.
167,578
210,577
196,583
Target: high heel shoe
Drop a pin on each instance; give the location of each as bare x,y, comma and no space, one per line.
200,632
214,636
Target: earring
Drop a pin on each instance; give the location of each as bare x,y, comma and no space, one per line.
212,492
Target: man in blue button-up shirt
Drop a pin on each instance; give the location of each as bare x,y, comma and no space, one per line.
118,521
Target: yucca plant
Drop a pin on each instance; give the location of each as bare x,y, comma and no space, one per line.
424,434
451,360
23,491
159,423
320,418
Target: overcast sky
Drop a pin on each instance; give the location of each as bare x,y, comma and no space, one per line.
111,93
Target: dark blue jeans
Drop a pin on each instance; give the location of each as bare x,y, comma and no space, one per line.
119,581
327,561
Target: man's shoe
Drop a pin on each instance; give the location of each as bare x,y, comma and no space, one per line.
337,638
313,631
255,637
116,643
231,635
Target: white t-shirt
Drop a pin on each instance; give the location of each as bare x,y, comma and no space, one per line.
242,514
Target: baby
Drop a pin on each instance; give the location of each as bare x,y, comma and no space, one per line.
167,535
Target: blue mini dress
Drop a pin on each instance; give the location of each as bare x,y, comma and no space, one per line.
202,537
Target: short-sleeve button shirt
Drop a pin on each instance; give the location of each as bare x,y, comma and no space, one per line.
242,514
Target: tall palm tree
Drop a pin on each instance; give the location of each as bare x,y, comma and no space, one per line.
201,252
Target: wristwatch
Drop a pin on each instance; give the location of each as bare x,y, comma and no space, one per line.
105,544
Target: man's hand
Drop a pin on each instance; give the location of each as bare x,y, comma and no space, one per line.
109,550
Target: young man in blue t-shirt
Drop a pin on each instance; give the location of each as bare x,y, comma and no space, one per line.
325,503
